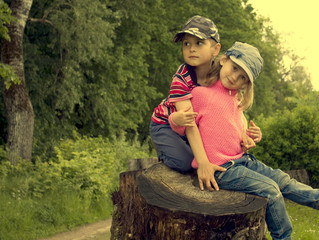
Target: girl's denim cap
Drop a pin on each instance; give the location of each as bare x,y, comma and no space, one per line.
247,57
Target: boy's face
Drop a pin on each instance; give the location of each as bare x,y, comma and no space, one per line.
198,52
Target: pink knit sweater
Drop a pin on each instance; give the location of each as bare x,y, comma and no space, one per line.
219,121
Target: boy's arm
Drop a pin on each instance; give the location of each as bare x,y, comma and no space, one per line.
254,132
206,170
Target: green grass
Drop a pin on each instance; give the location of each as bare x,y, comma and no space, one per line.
31,218
305,222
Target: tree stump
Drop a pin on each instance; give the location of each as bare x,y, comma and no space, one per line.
161,204
300,175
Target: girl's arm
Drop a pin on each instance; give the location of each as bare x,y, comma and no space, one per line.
181,119
206,170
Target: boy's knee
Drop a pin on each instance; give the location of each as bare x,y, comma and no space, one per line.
176,164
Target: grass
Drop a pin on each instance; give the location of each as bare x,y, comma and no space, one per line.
30,219
305,222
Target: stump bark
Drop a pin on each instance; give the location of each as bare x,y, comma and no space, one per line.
159,203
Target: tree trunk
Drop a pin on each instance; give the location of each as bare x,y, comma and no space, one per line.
18,106
159,203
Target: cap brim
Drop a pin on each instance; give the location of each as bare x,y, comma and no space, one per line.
178,37
243,66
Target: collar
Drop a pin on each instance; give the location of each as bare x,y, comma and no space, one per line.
192,72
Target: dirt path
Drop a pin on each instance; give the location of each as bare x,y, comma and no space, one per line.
94,231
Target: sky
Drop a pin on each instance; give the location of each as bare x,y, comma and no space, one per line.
297,23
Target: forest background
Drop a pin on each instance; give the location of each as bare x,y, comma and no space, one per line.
94,72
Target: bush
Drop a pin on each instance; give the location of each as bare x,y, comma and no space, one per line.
74,188
291,140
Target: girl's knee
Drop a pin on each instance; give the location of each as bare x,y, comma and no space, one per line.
272,192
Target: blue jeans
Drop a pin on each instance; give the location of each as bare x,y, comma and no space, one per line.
249,175
172,149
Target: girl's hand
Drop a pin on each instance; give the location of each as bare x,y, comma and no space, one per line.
184,118
205,174
254,132
247,142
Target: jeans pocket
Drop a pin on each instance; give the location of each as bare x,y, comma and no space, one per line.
227,165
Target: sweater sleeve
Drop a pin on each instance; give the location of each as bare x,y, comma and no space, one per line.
178,129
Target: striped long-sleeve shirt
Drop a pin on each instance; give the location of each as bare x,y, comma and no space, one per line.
184,80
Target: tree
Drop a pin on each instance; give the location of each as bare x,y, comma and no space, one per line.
101,68
19,111
90,63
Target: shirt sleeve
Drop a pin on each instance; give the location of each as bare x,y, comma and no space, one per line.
180,89
178,129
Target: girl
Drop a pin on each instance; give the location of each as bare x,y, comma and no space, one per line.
220,122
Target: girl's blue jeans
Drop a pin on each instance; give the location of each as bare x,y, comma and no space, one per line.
249,175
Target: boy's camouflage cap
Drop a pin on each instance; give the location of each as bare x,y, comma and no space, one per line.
200,27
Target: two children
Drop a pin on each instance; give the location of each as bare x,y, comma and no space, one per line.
201,44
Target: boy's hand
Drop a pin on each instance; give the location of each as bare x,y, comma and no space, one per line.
205,174
247,142
184,118
254,132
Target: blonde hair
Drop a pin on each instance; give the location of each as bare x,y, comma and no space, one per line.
245,94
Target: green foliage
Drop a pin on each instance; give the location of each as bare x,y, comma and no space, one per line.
92,163
5,19
9,75
73,189
291,138
6,71
105,66
93,79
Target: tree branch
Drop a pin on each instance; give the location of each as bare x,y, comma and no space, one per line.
42,20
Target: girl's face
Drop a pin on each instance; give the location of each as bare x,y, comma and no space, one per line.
232,76
198,52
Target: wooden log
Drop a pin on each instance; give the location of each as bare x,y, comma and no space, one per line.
159,203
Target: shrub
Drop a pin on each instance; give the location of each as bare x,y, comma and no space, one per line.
74,188
291,140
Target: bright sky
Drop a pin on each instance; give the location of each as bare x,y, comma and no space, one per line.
297,23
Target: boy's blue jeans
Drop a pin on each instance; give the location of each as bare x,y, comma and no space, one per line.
172,149
252,176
